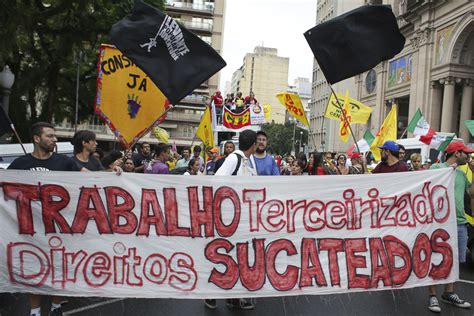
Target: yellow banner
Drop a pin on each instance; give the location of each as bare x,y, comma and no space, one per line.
360,112
127,100
388,131
294,106
344,130
204,131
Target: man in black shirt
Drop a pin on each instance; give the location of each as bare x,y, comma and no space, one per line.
85,144
43,158
143,156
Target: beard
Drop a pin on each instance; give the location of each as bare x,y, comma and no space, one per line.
384,159
260,151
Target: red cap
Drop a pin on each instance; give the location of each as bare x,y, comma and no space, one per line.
457,146
355,155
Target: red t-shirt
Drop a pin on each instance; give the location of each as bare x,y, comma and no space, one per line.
320,171
218,100
384,168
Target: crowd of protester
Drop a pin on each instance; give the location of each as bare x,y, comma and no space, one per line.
250,159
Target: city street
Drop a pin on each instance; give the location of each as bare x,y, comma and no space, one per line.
397,302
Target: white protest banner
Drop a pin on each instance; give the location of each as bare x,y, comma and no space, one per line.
135,235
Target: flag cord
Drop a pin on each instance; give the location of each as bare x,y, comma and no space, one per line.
347,122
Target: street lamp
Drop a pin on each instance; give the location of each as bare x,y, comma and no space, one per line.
7,78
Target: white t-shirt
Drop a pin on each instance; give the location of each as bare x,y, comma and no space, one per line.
247,165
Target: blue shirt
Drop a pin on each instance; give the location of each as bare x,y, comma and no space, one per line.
266,166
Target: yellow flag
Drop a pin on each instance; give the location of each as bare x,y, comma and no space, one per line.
161,134
127,100
360,112
388,131
266,111
294,106
344,130
204,131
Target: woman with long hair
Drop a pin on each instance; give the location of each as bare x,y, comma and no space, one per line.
341,165
193,167
318,164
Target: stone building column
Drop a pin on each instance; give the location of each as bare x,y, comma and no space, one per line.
448,105
434,111
466,110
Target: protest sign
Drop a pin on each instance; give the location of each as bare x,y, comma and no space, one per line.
98,234
127,100
257,115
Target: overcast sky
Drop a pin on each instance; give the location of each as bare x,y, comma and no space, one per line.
274,23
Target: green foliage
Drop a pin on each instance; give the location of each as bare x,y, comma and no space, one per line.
41,41
280,137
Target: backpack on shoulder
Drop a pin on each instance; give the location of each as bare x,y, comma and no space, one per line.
179,171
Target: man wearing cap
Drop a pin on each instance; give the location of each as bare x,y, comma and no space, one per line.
266,165
211,163
390,161
456,155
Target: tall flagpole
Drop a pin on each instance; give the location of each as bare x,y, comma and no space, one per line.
345,117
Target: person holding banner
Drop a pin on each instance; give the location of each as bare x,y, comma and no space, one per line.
318,168
456,155
239,163
85,144
389,153
193,168
43,158
265,164
197,156
341,165
158,165
142,157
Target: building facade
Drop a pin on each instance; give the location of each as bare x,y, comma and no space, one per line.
205,18
264,73
434,72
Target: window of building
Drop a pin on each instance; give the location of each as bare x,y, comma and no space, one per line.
370,81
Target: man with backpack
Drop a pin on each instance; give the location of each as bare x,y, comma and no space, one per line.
239,163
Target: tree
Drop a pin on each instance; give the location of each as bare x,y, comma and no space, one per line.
41,41
280,137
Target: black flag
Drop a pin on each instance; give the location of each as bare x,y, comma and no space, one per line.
5,122
355,42
174,58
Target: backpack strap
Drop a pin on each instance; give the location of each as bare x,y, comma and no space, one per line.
239,161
